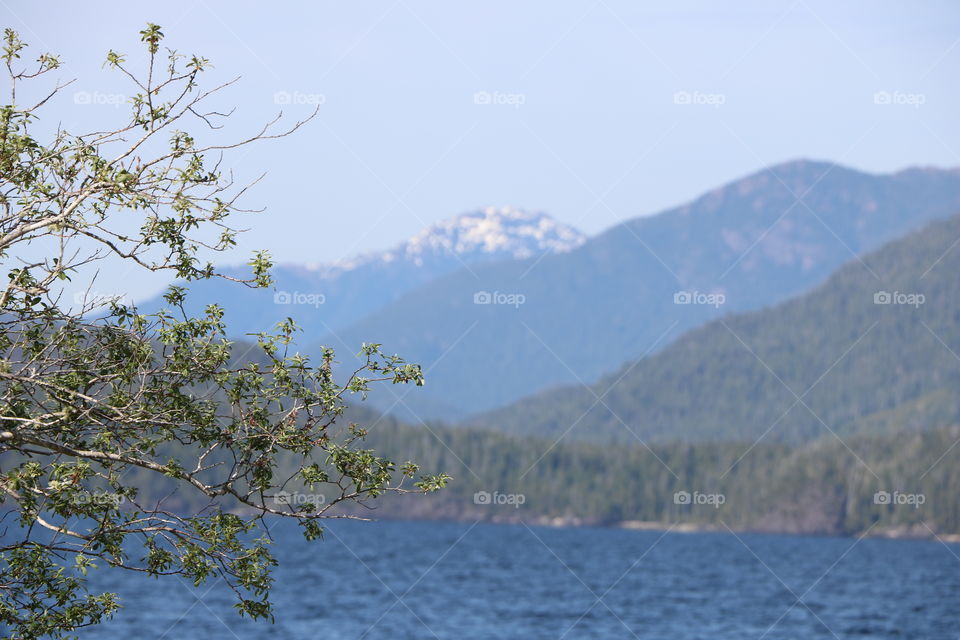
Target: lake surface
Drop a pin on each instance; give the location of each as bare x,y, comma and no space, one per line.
401,580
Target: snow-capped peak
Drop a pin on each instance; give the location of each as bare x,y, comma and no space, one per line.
491,233
500,232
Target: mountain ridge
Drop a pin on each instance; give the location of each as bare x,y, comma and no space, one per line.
323,297
747,245
867,350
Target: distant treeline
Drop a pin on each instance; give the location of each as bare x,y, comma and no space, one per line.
906,483
825,487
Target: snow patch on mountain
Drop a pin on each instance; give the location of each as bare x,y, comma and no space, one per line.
491,233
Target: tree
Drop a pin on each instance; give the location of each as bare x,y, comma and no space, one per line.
96,397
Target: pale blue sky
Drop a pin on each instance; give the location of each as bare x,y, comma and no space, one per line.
400,141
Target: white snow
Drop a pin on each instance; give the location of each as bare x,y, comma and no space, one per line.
489,233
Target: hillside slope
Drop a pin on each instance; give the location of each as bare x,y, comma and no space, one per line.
832,360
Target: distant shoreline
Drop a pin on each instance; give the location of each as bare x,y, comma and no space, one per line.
889,533
916,532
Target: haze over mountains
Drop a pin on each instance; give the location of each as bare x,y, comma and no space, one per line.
756,241
498,304
324,298
826,373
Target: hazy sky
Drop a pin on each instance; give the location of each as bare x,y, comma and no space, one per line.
434,108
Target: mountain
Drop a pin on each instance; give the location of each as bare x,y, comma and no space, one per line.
875,349
322,298
503,330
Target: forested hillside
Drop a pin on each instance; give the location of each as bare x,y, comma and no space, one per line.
874,349
825,487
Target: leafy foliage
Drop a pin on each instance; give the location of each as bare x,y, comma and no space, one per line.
100,401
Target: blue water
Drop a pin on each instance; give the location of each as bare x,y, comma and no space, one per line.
402,580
